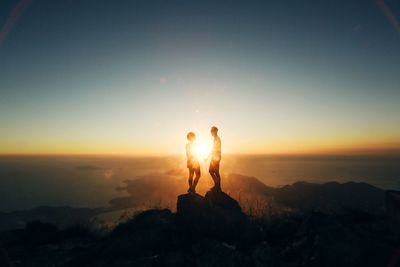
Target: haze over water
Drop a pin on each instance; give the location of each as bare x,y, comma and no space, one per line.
91,181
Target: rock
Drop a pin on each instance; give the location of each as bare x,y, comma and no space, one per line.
392,199
227,219
38,233
262,256
218,199
171,258
324,240
192,215
216,253
148,231
252,233
217,215
192,205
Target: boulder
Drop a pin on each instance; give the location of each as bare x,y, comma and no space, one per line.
219,199
147,231
262,256
210,252
216,214
192,215
392,199
190,205
227,219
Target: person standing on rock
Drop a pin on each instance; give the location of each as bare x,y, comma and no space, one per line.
215,156
192,162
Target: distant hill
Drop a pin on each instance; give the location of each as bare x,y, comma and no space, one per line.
332,197
328,197
160,190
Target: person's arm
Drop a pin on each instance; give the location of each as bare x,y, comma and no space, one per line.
187,151
219,144
211,152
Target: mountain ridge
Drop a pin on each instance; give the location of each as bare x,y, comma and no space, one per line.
162,189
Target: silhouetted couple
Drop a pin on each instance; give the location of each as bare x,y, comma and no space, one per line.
193,163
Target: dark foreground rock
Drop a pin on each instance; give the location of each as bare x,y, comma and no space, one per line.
210,231
392,199
217,215
222,201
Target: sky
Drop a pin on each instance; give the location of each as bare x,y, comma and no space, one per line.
133,77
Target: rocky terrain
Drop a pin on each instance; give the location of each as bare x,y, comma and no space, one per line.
212,231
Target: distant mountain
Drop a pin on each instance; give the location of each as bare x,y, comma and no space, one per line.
302,196
332,197
160,190
237,183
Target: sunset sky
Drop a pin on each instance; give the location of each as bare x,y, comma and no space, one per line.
133,77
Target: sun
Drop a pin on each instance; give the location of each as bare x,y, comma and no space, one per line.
202,150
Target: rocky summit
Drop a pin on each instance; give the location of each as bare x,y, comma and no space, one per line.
210,231
216,214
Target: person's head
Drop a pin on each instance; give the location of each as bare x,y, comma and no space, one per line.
191,136
214,131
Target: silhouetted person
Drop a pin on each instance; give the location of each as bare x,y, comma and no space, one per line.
215,159
192,162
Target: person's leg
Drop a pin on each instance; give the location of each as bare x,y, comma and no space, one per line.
191,173
212,171
217,180
196,179
213,177
217,176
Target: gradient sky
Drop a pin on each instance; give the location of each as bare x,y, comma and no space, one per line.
132,77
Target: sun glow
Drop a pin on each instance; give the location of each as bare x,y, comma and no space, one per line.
202,150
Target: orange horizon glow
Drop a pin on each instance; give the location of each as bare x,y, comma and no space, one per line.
261,149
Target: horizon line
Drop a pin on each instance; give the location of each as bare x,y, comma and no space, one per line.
393,153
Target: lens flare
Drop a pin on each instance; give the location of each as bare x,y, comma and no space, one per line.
202,150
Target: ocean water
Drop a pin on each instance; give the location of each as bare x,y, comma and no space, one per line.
26,182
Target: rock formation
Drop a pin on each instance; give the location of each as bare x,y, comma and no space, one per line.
216,214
